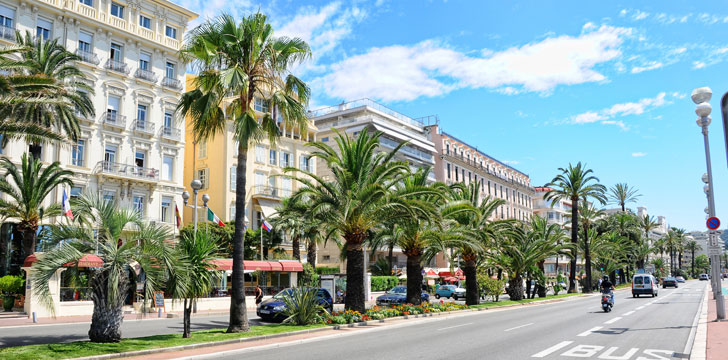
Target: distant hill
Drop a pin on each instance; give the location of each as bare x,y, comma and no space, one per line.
724,237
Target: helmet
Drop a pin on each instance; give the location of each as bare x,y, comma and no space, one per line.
605,277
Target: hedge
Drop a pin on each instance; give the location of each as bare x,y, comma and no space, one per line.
384,283
325,270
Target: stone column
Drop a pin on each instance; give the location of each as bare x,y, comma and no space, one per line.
32,299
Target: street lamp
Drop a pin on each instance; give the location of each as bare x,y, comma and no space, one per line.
196,185
701,97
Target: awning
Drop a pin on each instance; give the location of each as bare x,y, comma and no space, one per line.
255,265
268,207
291,266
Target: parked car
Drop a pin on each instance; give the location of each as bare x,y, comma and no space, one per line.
680,279
273,309
398,296
644,284
703,277
450,291
669,281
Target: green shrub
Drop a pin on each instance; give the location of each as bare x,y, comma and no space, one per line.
384,283
309,277
302,307
326,270
493,288
11,284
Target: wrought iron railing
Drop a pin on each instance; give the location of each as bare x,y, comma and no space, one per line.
143,126
172,83
7,33
114,119
88,57
118,66
171,133
145,75
133,171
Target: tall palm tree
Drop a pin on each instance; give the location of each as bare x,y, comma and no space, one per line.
52,89
575,183
291,220
692,246
27,188
355,198
622,194
647,223
672,242
236,62
680,245
128,247
386,236
588,216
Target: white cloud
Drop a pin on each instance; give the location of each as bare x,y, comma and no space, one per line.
618,123
640,15
607,116
623,12
511,162
652,65
698,64
588,117
639,154
431,68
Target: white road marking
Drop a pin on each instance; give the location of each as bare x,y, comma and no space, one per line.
518,327
640,307
629,313
586,333
613,320
552,349
452,327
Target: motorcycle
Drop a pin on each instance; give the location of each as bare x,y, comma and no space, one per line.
607,301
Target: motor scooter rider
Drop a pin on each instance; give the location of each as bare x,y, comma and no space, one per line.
607,286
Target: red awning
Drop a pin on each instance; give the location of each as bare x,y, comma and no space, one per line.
30,260
254,265
88,260
450,279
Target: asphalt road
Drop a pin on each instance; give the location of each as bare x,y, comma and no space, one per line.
60,333
644,328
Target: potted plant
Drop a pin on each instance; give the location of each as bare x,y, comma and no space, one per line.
10,286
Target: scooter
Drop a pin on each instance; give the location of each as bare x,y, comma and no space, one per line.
607,301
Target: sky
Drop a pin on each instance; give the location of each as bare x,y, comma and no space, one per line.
536,84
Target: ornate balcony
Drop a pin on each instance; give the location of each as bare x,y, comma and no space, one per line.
172,83
270,192
117,66
145,75
170,133
114,120
143,127
88,57
118,170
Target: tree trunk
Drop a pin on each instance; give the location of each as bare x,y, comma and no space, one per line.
29,241
187,318
390,259
515,288
296,244
575,241
471,281
692,263
238,311
528,286
354,274
311,253
679,260
108,314
500,274
414,277
587,263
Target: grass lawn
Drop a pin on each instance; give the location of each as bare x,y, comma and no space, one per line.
85,348
524,301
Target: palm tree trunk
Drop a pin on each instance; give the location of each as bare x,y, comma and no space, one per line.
575,241
355,272
296,244
187,316
390,258
587,263
311,253
414,277
515,287
471,280
692,263
500,274
108,314
238,311
29,241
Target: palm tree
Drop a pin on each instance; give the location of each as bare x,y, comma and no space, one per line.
622,194
291,219
680,245
27,187
355,198
50,90
551,233
588,216
128,247
646,223
574,183
386,236
672,241
237,62
692,246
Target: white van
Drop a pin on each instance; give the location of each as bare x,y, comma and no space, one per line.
644,284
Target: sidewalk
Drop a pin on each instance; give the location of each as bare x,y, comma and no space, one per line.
717,344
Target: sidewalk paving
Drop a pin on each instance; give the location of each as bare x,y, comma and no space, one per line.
717,342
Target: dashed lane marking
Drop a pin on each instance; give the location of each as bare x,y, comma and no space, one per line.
613,320
586,333
629,313
452,327
518,327
552,349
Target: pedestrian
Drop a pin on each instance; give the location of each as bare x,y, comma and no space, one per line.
258,295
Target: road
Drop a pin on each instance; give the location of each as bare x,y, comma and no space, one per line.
60,333
643,329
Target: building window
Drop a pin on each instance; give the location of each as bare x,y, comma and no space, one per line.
286,188
272,159
78,152
43,29
325,139
6,21
203,175
448,171
457,177
76,192
140,158
117,52
447,149
170,32
286,159
84,42
305,163
202,149
167,209
170,70
261,105
327,258
260,154
110,156
109,196
138,201
233,177
117,10
145,22
87,2
141,116
232,213
145,60
167,168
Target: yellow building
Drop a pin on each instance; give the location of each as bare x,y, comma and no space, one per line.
214,163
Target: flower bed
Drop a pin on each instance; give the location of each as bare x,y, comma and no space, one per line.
379,313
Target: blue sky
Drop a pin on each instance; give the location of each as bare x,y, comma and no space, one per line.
538,84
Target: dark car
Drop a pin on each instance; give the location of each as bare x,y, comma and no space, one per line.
273,309
669,281
398,296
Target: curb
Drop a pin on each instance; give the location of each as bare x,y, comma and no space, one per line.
299,332
699,346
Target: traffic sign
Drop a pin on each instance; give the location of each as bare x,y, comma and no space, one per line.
713,223
713,251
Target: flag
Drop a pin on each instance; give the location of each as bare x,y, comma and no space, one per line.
267,226
67,206
176,215
212,217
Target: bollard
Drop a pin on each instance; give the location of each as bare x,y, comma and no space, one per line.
35,319
159,313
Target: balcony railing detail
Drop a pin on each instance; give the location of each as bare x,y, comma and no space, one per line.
88,57
170,133
113,119
172,83
7,33
271,191
126,170
117,66
145,75
143,126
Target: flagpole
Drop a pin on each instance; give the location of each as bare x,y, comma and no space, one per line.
261,243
